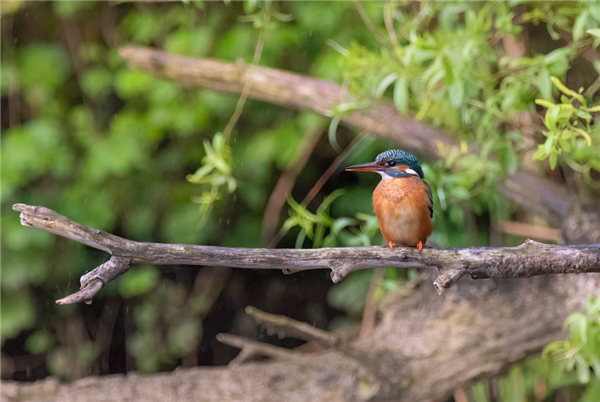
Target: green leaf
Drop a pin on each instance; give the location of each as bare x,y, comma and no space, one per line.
332,133
585,135
579,25
17,314
96,82
300,239
401,94
566,90
594,32
583,370
456,93
553,160
198,176
39,342
544,103
43,65
384,84
138,281
564,144
544,84
329,200
129,84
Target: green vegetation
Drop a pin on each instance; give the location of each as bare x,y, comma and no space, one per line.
152,160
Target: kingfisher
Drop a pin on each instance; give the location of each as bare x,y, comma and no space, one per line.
402,200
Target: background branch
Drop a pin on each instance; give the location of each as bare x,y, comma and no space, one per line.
578,219
529,259
249,349
424,348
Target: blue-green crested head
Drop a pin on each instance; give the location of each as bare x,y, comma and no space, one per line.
392,158
392,164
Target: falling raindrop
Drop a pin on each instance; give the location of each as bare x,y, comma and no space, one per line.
127,310
234,198
228,221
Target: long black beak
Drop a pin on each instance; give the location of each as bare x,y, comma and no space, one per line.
366,167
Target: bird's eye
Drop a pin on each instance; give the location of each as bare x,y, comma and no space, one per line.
392,163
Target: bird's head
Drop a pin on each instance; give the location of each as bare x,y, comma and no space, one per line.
391,164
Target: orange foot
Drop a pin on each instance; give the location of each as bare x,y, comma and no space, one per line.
391,244
420,246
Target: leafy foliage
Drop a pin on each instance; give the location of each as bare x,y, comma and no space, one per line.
111,147
569,130
581,352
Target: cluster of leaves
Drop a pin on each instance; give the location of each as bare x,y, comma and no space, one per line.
215,170
343,231
447,64
581,352
324,230
572,365
109,146
569,130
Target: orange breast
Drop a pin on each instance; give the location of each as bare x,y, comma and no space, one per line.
401,206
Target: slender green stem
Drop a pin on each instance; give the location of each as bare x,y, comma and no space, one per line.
248,85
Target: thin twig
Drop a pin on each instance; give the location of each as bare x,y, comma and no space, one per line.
376,34
249,349
388,20
323,179
592,88
249,79
286,327
284,186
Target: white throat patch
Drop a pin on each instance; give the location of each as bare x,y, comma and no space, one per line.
384,175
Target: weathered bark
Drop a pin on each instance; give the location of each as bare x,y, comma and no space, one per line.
425,347
579,221
529,259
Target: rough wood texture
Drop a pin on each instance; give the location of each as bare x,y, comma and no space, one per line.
425,347
578,219
529,259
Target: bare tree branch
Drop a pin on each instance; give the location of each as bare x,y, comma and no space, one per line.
288,89
283,326
529,259
93,281
424,348
580,221
249,349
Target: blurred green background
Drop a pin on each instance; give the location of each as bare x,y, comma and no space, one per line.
111,147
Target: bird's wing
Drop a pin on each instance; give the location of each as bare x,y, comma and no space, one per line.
429,194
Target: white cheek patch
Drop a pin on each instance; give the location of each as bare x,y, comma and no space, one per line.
410,171
385,176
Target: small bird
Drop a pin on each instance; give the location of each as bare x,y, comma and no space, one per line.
402,200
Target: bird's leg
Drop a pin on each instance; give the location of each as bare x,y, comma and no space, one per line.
391,244
420,246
